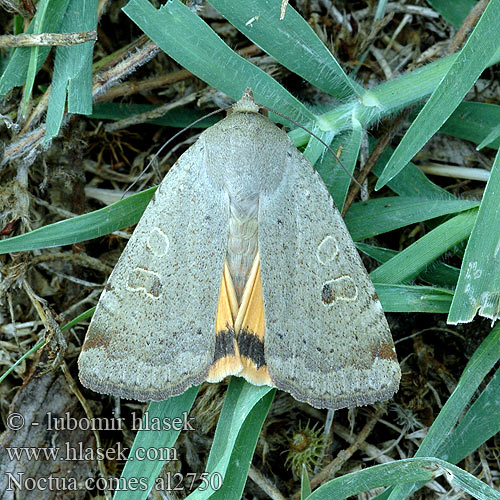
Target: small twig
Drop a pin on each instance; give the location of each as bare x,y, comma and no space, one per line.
327,441
373,158
346,454
149,115
264,483
407,18
384,65
397,7
484,464
476,174
134,87
74,258
37,113
11,329
90,416
60,211
47,39
73,279
333,11
91,299
131,87
54,338
26,147
467,26
106,196
108,78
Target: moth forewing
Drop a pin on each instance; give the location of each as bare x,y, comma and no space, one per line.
327,339
153,333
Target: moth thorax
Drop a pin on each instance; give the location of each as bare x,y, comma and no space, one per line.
242,239
245,151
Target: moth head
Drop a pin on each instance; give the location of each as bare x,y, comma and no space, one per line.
246,104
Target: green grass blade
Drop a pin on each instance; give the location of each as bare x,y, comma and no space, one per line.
315,149
305,484
410,181
491,140
28,353
192,43
244,447
81,317
469,64
333,174
380,254
402,471
380,215
381,7
406,90
407,264
383,255
241,399
148,439
478,287
291,41
387,98
454,11
406,298
330,174
474,121
39,26
438,273
72,68
121,214
480,423
16,72
481,362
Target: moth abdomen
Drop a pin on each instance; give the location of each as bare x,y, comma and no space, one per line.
242,238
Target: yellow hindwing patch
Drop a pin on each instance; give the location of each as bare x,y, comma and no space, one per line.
226,357
250,329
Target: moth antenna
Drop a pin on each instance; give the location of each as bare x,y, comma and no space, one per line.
165,144
316,137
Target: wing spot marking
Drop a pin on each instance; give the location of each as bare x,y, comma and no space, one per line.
327,250
341,288
145,281
158,242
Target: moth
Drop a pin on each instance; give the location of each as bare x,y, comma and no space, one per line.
241,265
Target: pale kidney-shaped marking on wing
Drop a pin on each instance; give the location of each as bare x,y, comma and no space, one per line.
143,280
158,242
341,288
327,250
